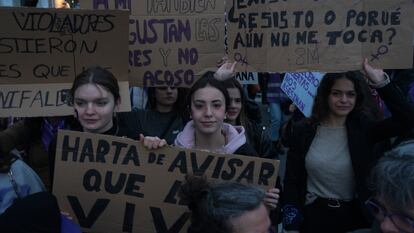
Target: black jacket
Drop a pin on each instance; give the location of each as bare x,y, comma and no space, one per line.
153,123
246,149
259,139
362,132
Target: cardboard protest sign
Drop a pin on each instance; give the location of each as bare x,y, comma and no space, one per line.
301,89
52,46
108,4
112,184
157,7
31,100
247,77
324,35
170,43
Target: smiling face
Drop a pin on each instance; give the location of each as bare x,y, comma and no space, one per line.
235,104
342,98
255,221
95,107
208,108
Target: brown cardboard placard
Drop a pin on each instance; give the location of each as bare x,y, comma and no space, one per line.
112,184
168,45
158,7
54,45
324,35
31,100
174,58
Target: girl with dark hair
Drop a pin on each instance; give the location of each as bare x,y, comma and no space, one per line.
95,99
236,115
332,154
165,116
208,101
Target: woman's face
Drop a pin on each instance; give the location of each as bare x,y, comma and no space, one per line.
166,96
208,108
342,98
235,104
94,108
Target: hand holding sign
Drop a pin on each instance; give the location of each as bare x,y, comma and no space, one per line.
272,198
374,76
152,142
226,71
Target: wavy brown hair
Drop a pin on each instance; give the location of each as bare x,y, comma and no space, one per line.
365,103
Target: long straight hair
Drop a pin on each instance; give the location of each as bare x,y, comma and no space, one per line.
98,76
233,83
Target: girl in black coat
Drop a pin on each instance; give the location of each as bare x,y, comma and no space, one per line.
237,115
330,159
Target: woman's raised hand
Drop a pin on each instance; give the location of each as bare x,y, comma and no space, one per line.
374,76
226,70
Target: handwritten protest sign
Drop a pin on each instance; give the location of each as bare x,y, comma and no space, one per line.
247,77
52,46
324,35
170,43
30,100
157,7
301,89
112,184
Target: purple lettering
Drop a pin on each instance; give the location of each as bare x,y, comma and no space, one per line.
97,3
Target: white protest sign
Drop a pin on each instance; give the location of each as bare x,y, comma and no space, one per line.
301,88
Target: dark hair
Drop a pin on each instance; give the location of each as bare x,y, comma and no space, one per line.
233,83
99,76
214,205
393,176
208,80
179,104
364,101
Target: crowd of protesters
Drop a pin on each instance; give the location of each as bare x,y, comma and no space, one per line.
329,160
